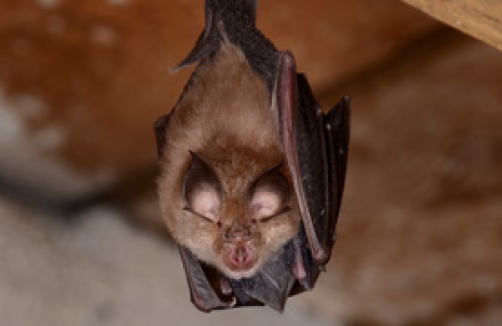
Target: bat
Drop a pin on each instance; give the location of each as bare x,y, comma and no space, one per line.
252,171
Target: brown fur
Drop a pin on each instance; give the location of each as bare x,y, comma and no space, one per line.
225,117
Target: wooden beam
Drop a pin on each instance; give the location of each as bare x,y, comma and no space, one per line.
481,19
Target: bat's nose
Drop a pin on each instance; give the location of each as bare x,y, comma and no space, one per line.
238,232
240,256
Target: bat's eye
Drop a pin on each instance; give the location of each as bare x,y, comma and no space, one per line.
270,196
205,202
265,203
202,189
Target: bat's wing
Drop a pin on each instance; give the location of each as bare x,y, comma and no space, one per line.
234,21
202,292
337,124
271,285
316,148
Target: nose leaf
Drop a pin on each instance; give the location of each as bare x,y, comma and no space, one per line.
240,256
238,232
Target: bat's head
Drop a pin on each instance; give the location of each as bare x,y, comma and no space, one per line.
246,218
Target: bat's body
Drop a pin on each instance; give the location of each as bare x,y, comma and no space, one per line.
252,171
235,132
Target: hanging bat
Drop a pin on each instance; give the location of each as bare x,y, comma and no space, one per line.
252,171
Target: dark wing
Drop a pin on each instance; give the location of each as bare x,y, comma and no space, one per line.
316,148
237,19
337,125
270,286
202,292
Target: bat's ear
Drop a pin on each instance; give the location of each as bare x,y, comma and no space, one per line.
202,189
269,195
160,128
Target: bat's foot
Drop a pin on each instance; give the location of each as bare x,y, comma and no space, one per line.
225,287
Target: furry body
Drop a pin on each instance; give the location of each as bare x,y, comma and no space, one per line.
225,116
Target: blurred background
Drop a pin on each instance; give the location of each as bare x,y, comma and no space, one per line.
81,240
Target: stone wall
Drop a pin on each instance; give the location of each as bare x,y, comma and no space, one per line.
81,83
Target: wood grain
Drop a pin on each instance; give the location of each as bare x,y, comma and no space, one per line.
481,19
